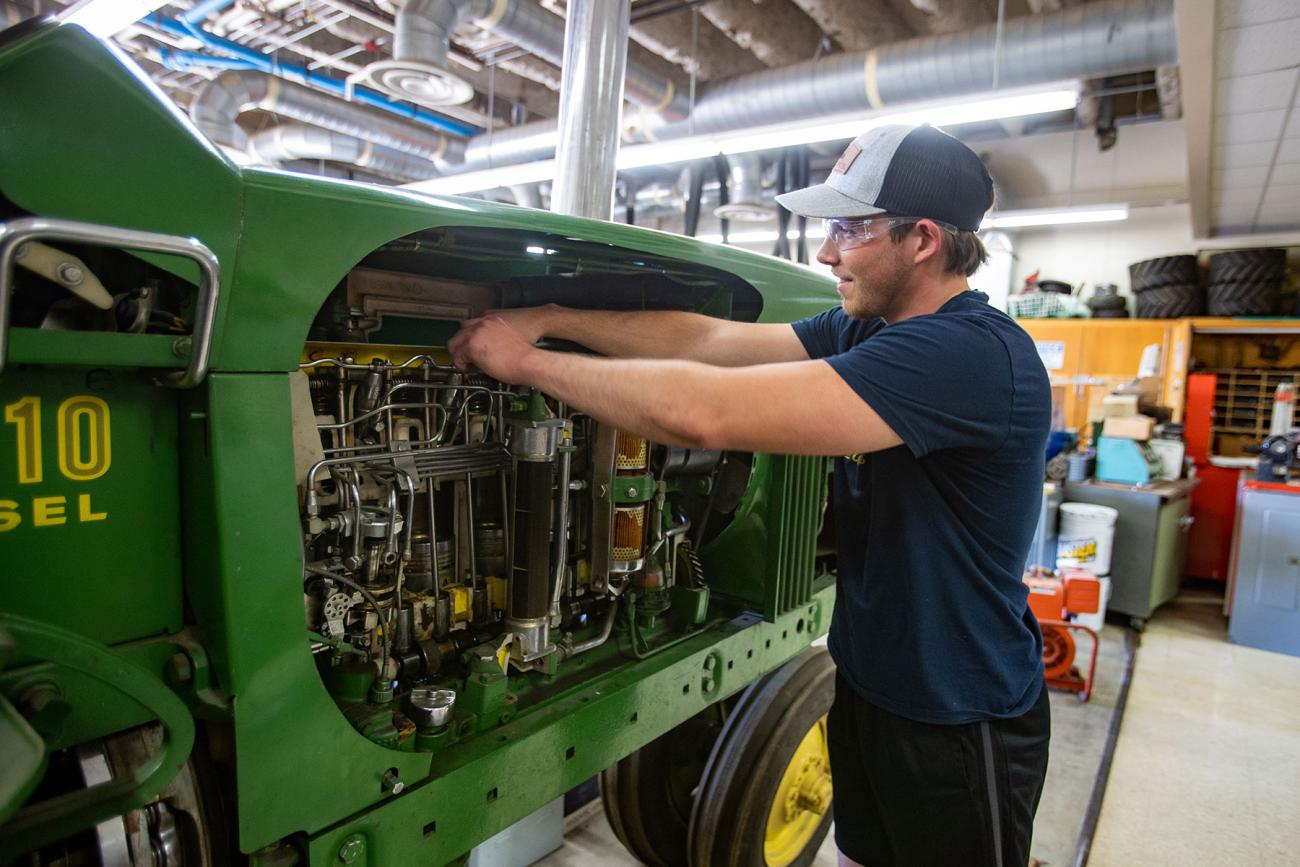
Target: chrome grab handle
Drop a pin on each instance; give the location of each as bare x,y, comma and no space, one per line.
14,233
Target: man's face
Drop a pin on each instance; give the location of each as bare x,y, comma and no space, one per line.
872,276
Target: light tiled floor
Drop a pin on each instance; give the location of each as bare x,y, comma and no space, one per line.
1207,766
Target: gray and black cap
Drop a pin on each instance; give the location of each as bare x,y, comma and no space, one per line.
908,171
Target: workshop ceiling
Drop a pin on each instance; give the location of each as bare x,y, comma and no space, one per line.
1243,161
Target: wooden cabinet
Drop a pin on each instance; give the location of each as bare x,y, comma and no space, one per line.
1087,358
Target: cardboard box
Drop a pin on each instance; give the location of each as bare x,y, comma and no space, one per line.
1133,427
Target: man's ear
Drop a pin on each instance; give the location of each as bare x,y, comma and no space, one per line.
929,241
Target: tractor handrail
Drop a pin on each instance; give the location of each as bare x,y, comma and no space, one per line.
14,233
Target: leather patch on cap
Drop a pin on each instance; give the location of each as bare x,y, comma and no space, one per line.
846,159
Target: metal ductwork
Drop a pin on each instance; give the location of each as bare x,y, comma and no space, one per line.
221,101
417,70
748,204
422,40
289,142
1088,41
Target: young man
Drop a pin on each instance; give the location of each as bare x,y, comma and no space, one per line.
940,725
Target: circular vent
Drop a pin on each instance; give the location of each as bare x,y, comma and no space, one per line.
418,82
745,212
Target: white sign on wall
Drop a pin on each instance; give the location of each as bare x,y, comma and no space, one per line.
1052,352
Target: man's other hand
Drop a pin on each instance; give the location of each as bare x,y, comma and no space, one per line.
530,322
492,346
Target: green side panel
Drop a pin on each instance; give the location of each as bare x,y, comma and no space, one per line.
774,534
109,544
1171,551
483,786
300,765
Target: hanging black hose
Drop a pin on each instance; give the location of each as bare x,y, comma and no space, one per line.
691,218
629,198
782,248
801,181
723,168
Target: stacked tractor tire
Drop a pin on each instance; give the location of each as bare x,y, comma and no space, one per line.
1239,283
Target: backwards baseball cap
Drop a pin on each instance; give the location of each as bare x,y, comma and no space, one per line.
909,171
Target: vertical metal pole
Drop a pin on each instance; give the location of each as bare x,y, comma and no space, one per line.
591,107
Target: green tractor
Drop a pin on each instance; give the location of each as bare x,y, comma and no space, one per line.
278,585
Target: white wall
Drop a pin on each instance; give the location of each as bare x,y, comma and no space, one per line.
1102,252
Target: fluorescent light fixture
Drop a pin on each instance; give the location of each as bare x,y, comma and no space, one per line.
487,179
1009,103
664,153
1055,217
1019,102
814,233
104,18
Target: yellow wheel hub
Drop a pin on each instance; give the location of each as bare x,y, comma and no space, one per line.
802,799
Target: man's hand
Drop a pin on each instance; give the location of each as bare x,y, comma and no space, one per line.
494,347
530,322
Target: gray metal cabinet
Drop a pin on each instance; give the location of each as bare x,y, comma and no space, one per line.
1266,577
1146,561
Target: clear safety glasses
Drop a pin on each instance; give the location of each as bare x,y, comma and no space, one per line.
846,234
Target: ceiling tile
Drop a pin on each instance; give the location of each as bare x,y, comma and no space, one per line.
1282,195
1281,225
1234,212
1259,92
1253,127
1237,196
1230,177
1293,124
1285,173
1240,13
1287,152
1259,48
1258,153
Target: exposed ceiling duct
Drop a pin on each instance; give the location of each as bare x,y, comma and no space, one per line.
288,142
1090,41
223,99
748,203
424,29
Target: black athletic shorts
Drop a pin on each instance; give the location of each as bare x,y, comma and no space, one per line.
912,794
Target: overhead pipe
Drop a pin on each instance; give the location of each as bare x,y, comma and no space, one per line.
424,29
591,107
223,99
270,65
296,142
1092,40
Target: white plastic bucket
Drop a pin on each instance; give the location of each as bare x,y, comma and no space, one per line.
1086,535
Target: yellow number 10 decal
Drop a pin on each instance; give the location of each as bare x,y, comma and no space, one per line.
83,433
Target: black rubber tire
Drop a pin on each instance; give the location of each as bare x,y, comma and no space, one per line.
741,780
1169,302
648,795
1255,298
1263,264
1111,314
1164,271
1107,302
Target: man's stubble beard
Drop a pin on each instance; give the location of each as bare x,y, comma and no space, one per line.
883,295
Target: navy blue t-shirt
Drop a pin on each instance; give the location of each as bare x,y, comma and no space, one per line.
931,620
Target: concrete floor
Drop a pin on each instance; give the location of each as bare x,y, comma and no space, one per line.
1206,770
1207,767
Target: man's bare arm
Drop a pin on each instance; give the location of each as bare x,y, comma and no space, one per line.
799,407
660,334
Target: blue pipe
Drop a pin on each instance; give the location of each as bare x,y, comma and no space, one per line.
255,60
200,11
183,61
